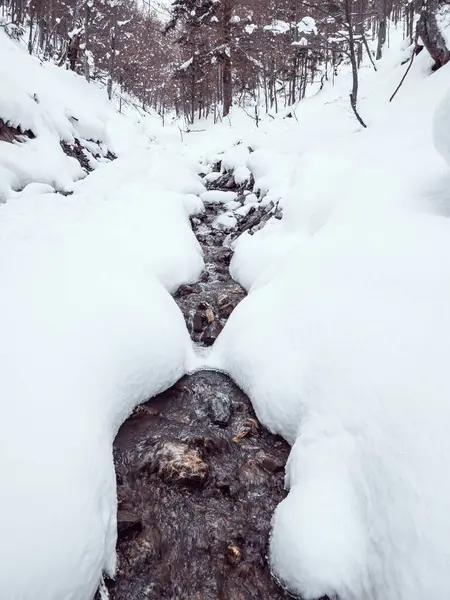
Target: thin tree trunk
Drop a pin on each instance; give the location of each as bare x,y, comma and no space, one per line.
87,53
112,55
351,43
227,67
382,27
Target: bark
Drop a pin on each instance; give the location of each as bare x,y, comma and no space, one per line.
112,56
352,55
227,67
87,15
429,32
72,53
382,27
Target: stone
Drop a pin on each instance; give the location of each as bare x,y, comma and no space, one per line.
128,524
233,554
271,465
211,333
197,322
177,462
220,409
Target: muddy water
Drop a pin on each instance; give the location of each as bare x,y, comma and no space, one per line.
198,477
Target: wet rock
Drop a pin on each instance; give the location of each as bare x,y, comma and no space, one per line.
220,409
128,524
211,333
272,465
177,462
227,302
234,554
186,290
197,322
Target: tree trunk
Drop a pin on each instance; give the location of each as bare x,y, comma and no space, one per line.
72,53
352,55
87,53
227,67
430,33
112,55
382,26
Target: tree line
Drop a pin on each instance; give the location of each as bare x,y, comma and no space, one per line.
200,56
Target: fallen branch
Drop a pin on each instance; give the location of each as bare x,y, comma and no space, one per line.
404,76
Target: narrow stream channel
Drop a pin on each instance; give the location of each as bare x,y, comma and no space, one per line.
198,477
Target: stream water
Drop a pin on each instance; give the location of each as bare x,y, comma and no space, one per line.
198,477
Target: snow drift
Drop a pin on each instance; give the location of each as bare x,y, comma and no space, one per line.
343,341
88,327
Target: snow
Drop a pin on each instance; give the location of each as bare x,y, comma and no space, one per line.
342,342
243,211
210,177
55,105
225,221
251,199
218,197
89,328
443,22
233,205
241,175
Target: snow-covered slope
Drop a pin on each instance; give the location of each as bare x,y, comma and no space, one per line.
88,327
344,339
56,106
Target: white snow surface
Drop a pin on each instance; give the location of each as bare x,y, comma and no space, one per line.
88,327
225,221
218,197
342,343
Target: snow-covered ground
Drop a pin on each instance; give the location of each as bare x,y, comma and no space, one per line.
341,344
344,339
88,326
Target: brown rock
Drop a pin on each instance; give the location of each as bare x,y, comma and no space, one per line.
128,524
272,465
177,462
211,333
233,554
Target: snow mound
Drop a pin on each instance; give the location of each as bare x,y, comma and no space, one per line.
55,105
218,197
342,343
225,221
89,330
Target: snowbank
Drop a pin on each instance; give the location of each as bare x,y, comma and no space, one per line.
88,332
343,342
88,327
56,106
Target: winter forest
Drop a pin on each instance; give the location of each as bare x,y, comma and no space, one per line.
224,292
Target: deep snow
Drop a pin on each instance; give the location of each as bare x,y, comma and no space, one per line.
88,327
341,344
343,341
